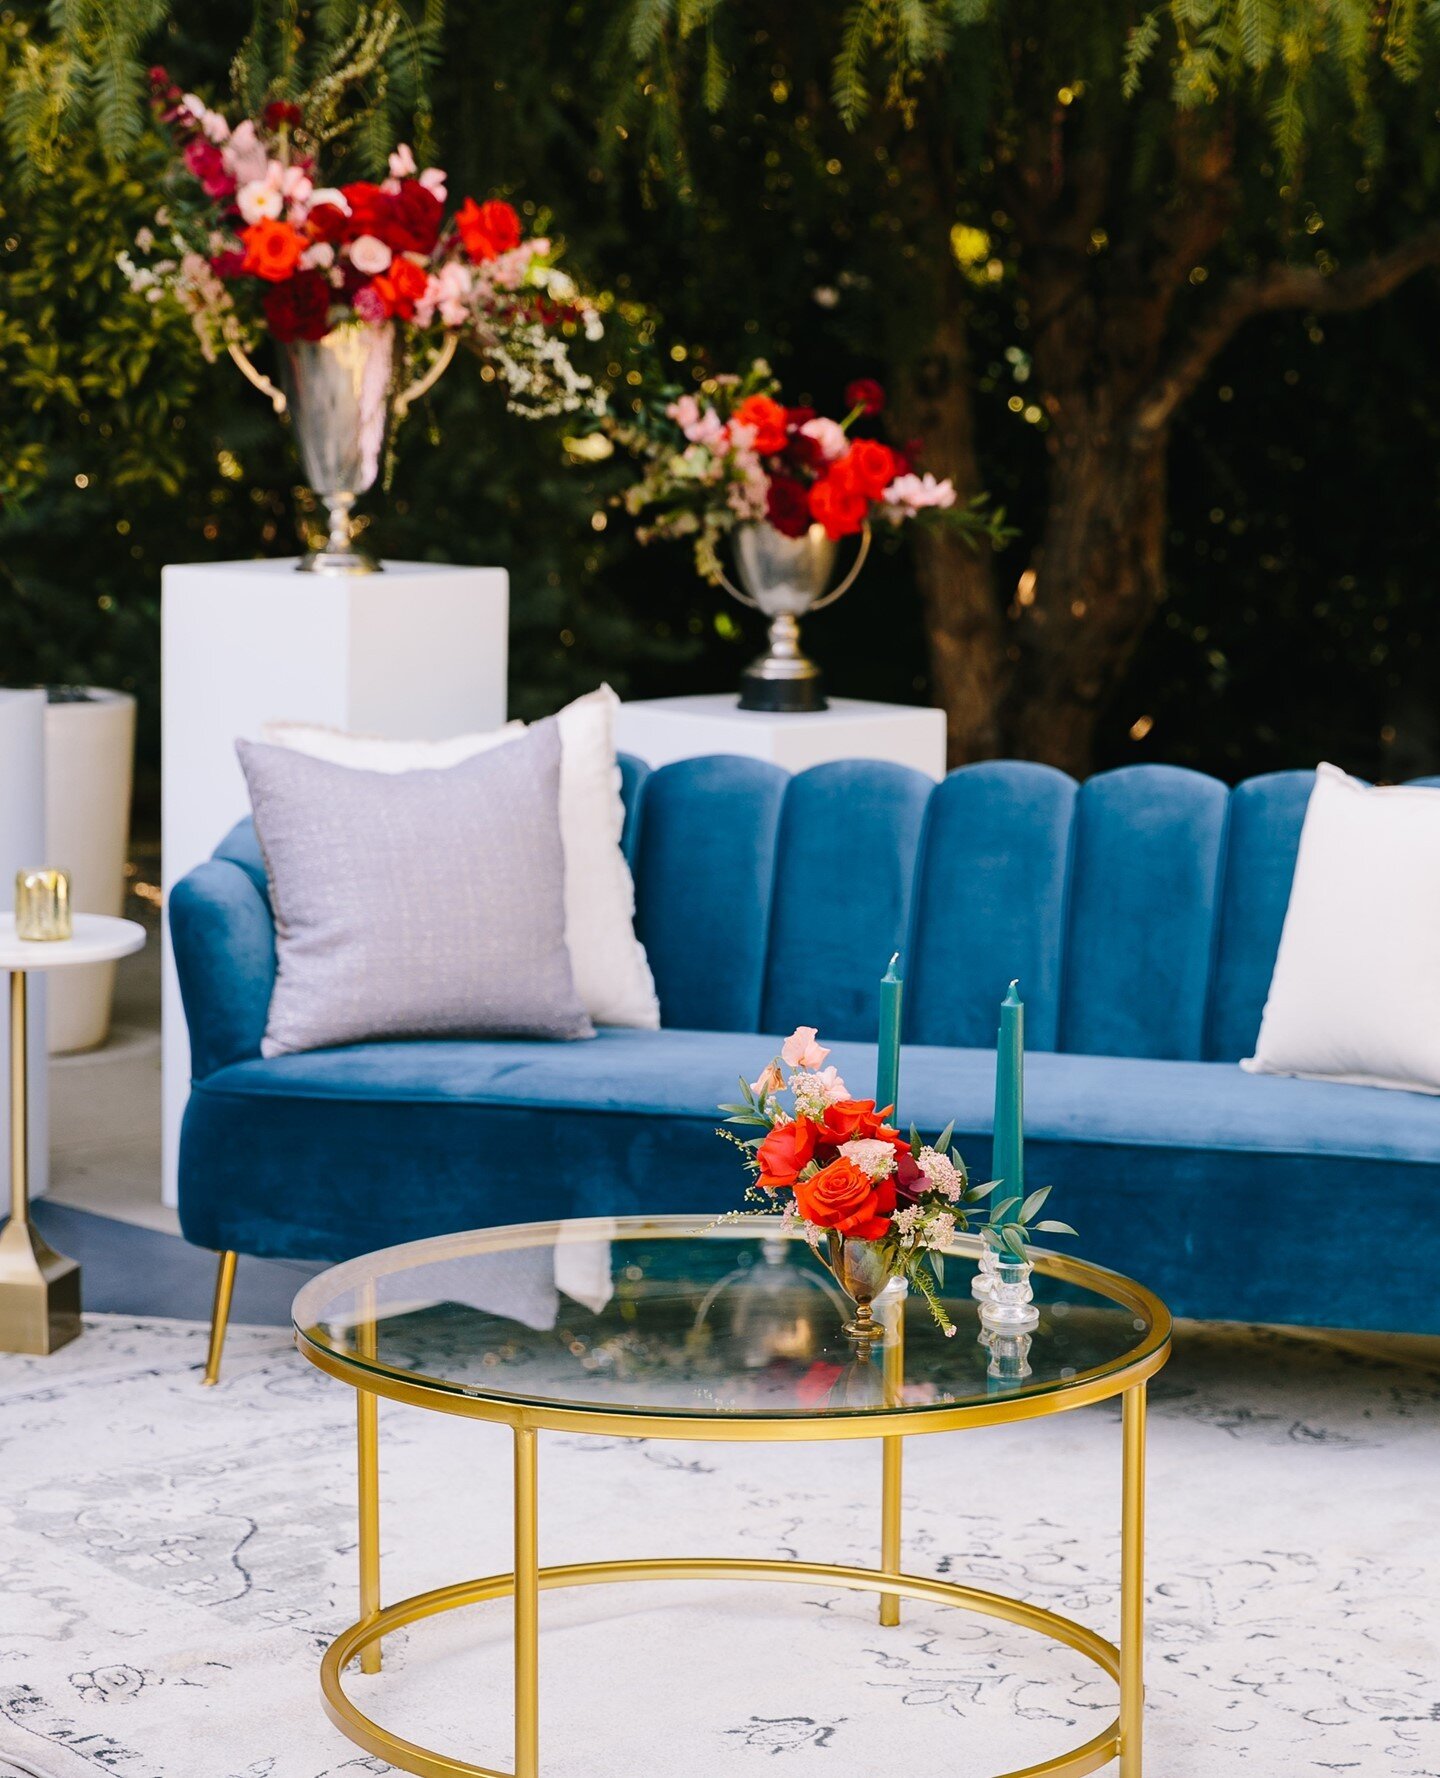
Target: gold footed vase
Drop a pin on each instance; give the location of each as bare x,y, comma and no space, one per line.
341,397
863,1272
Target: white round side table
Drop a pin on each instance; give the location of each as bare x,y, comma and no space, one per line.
39,1288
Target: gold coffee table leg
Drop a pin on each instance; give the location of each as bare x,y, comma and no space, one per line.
368,1467
527,1609
893,1458
39,1288
1132,1583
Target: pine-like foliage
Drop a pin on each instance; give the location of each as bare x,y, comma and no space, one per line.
361,68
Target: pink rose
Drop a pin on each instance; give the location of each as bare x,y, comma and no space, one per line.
370,255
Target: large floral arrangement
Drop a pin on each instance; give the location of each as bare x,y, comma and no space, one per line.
737,454
255,241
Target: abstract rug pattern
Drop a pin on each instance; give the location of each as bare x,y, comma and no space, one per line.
173,1561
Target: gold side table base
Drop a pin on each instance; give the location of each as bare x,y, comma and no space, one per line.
427,1763
39,1292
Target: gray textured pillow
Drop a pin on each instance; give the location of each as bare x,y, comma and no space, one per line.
423,904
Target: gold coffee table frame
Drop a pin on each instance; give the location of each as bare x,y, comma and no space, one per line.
360,1368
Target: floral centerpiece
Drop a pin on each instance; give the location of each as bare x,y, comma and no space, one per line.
736,454
350,280
873,1204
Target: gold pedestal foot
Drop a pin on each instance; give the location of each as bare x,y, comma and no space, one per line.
39,1292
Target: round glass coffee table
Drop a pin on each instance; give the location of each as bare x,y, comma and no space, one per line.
682,1328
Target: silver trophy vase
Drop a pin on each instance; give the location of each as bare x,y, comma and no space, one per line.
784,578
340,394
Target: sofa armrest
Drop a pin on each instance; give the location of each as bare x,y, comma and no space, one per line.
224,942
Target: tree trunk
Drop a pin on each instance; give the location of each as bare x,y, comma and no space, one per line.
963,621
1099,580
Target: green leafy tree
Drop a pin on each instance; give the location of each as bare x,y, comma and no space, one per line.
1102,196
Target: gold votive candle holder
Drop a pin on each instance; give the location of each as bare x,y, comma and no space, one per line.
42,905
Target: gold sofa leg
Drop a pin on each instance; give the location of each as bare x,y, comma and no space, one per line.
219,1316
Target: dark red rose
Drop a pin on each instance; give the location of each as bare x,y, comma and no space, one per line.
796,417
207,164
281,111
299,309
865,393
787,506
328,222
229,264
414,220
805,452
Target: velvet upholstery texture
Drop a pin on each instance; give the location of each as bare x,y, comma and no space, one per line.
1141,912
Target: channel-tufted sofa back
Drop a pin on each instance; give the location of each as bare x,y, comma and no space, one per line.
1141,910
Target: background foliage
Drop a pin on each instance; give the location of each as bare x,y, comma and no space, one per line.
1301,617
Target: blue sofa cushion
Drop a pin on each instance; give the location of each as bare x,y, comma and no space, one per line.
1222,1190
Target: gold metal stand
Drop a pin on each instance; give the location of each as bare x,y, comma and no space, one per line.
368,1473
39,1288
892,1459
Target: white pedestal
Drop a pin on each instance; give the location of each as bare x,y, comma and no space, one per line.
22,847
659,730
418,652
89,754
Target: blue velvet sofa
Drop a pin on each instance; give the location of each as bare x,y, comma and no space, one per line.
1140,910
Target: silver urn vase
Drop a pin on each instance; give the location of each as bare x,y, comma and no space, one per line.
341,396
784,578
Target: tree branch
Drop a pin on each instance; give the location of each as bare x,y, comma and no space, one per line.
1277,287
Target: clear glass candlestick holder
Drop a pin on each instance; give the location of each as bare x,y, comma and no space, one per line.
1010,1306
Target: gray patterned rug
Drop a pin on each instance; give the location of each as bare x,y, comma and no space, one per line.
173,1560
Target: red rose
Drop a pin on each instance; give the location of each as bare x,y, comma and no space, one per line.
796,417
328,222
868,467
488,229
414,220
782,1154
838,507
299,309
866,394
369,211
272,250
767,418
229,264
281,111
401,287
787,506
841,1197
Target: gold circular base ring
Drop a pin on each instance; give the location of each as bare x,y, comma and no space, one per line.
411,1757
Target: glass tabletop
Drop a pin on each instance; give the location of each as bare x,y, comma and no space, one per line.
685,1318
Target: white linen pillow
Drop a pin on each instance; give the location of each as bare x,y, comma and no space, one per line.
1355,994
612,973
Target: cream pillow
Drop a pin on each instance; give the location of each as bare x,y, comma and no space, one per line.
1355,995
612,974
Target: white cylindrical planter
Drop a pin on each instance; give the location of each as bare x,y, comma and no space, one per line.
22,847
89,756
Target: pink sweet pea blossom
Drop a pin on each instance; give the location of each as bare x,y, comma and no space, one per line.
402,162
910,494
705,428
800,1049
245,155
433,179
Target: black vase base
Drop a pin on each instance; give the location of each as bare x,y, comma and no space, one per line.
783,697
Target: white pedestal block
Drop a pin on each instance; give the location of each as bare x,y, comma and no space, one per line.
659,730
89,755
418,652
22,847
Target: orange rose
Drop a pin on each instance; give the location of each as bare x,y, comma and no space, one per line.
767,417
840,508
841,1197
272,250
867,468
782,1154
401,287
852,1120
487,229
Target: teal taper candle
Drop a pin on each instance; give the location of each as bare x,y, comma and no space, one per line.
887,1061
1009,1157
